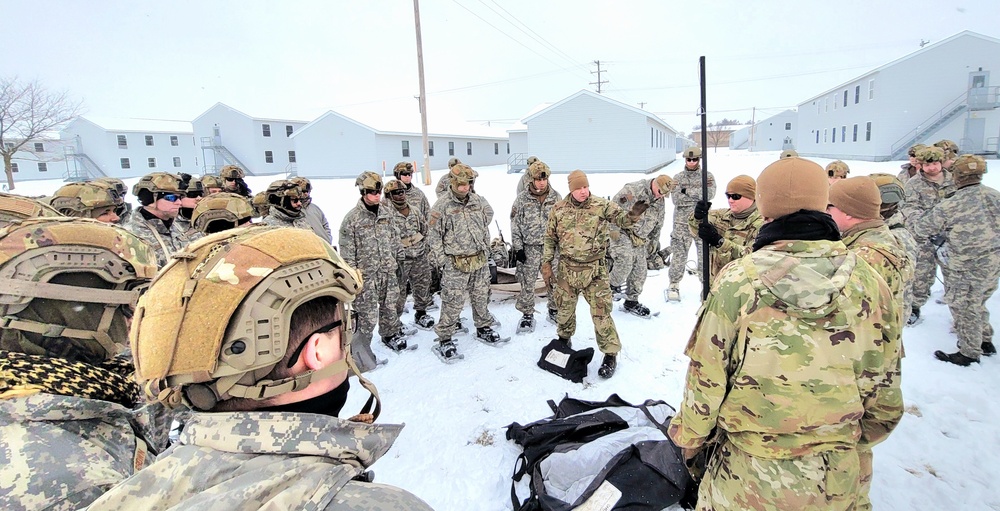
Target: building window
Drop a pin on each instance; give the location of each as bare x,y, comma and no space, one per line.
508,147
651,137
843,133
857,94
288,130
871,90
845,98
817,136
13,167
126,164
177,161
826,104
406,149
468,148
149,140
430,148
451,149
122,142
835,102
173,141
834,134
266,129
39,148
43,167
291,156
855,137
788,126
151,162
868,132
496,148
268,157
824,135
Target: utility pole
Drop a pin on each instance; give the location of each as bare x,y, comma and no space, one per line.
753,115
423,93
598,83
642,105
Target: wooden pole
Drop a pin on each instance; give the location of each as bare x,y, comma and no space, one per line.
423,94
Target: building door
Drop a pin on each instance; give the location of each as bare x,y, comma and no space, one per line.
979,86
975,135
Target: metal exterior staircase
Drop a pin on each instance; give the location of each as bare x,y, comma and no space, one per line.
517,162
929,126
221,154
82,169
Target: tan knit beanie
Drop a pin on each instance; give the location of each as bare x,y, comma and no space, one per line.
577,180
743,185
791,184
857,196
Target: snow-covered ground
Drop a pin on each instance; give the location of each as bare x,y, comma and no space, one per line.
945,454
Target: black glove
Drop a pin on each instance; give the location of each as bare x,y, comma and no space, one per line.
701,210
520,256
709,233
938,240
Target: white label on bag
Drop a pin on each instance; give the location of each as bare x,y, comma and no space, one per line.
557,358
603,499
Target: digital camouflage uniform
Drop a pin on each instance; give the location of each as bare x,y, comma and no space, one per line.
579,233
904,172
370,243
162,239
629,247
459,243
272,460
970,220
686,193
794,362
414,266
906,240
529,217
443,184
738,230
184,224
278,218
417,199
921,196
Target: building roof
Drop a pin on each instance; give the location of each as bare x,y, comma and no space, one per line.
585,92
139,125
454,129
268,119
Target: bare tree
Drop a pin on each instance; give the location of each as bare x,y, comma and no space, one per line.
27,110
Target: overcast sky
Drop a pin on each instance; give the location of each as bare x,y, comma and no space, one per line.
484,59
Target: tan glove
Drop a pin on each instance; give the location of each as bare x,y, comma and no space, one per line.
547,275
637,210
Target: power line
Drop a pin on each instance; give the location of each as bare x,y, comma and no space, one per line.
525,29
760,79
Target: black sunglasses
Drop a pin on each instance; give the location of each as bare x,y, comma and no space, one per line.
691,159
405,173
369,191
734,196
396,193
321,330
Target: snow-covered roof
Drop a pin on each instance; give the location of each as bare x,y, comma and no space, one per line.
139,125
592,94
267,119
435,128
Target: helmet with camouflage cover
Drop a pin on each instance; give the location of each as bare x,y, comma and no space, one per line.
195,188
539,170
889,186
462,174
368,180
221,211
14,208
403,166
788,153
254,278
68,287
692,152
210,182
837,169
151,185
85,199
231,172
453,161
915,149
114,182
531,160
305,189
394,186
949,147
260,204
930,154
280,194
968,169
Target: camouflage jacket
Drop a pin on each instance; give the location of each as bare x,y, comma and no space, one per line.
580,231
278,460
279,218
317,222
62,452
459,228
904,172
687,191
443,184
903,236
651,220
369,241
525,181
922,194
970,221
738,234
164,241
873,241
412,228
795,352
184,224
529,216
416,198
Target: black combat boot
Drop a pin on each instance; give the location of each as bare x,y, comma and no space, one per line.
527,324
914,317
955,358
636,308
487,335
989,349
423,320
395,342
552,317
608,365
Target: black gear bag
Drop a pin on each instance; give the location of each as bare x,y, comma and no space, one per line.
559,359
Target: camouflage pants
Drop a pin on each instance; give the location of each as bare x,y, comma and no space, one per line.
736,481
527,274
966,295
629,266
923,278
454,285
680,245
373,305
417,274
591,280
865,459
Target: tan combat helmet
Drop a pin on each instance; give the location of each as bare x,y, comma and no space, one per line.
915,149
890,188
788,153
931,154
157,183
403,166
231,172
305,189
395,191
531,160
453,161
14,208
255,278
221,211
68,285
539,170
949,147
260,204
692,152
968,169
122,208
368,180
86,199
280,193
837,169
208,182
665,183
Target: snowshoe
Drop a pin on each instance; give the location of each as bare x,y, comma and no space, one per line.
488,336
617,293
526,325
637,309
672,294
447,351
551,317
423,321
460,328
408,330
914,317
608,366
397,342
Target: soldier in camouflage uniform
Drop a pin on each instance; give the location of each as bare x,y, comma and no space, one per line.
775,398
911,168
892,194
311,212
260,205
837,170
411,226
629,246
221,211
285,201
194,192
730,233
87,200
265,429
932,186
526,179
950,149
232,181
459,244
687,192
160,195
211,184
578,233
969,222
414,196
529,215
369,241
445,182
72,423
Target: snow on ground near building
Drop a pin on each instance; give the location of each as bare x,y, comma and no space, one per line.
453,452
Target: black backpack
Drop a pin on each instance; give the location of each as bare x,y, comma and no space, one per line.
644,475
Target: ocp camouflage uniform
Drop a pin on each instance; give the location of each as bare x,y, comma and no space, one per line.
162,239
579,232
686,193
629,247
528,218
459,243
370,243
794,363
738,230
909,244
414,266
277,460
970,220
921,196
278,218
